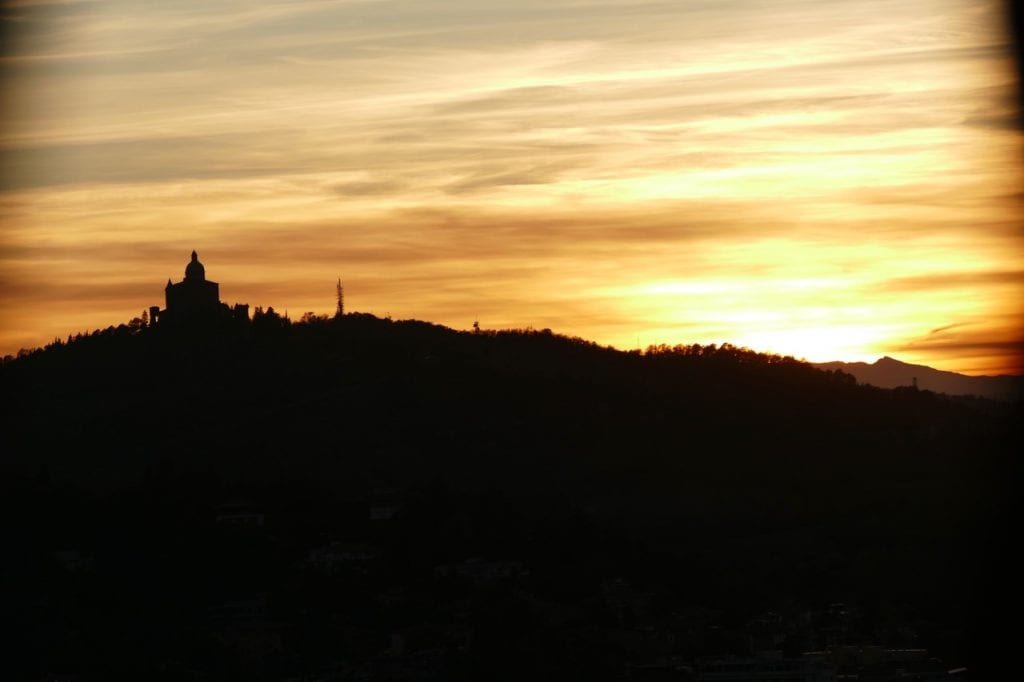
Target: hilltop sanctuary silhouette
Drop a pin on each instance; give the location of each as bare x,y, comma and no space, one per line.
194,302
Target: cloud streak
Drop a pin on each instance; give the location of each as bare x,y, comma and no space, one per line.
675,172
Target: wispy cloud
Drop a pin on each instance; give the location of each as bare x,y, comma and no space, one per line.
566,164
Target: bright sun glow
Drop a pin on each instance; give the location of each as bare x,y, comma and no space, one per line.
830,180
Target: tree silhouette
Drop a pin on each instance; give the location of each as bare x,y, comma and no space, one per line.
575,507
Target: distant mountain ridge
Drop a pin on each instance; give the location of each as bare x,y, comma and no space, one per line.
888,372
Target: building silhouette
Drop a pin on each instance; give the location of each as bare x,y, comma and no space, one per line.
194,302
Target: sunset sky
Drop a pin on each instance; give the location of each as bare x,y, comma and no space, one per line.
830,179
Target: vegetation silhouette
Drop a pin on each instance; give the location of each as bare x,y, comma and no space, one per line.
351,497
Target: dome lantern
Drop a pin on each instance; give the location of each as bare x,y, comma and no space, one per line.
195,271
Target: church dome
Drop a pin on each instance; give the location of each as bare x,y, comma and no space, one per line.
195,270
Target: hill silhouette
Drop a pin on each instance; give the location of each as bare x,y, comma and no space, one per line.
378,499
888,372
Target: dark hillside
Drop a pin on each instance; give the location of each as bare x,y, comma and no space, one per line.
509,505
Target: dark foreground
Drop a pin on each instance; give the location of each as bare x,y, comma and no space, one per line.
360,499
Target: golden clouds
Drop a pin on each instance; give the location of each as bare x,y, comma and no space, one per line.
771,176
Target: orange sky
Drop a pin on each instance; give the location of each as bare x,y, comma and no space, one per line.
821,178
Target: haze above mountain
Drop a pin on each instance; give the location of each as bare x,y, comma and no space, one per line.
887,372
